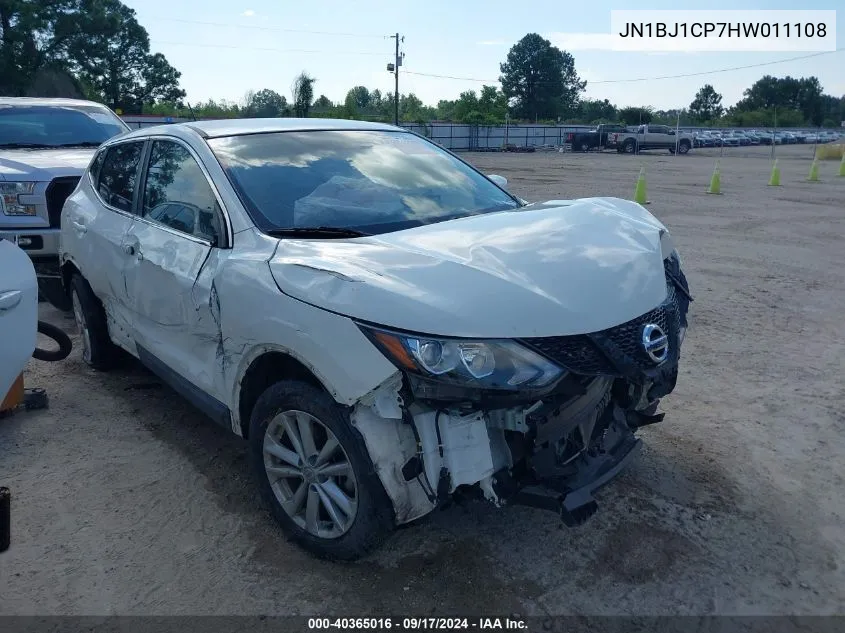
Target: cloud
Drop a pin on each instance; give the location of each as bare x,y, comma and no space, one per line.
248,13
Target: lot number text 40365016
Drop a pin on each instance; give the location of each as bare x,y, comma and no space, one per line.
417,624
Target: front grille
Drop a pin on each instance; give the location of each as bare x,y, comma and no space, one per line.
57,192
583,354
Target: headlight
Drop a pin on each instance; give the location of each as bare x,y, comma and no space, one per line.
11,204
489,364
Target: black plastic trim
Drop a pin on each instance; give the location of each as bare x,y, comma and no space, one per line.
209,405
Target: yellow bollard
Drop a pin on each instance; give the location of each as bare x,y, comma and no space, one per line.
814,172
842,166
640,196
716,181
774,180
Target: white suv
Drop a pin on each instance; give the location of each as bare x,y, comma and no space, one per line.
385,325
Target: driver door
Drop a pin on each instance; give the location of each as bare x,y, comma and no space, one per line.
172,259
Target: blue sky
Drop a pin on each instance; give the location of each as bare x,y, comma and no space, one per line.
255,44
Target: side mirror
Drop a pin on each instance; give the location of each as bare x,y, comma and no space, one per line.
499,180
672,132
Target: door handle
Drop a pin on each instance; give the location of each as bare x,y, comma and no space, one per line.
133,250
10,299
79,226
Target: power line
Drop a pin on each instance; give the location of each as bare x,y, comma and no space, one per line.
267,28
614,81
259,48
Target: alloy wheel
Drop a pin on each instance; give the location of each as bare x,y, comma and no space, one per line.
310,474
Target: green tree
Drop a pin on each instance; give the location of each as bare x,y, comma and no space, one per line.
110,51
466,103
596,111
786,93
636,115
359,96
265,104
446,110
540,79
303,94
33,36
707,105
493,104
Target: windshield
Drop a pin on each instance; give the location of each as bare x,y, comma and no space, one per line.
374,182
57,126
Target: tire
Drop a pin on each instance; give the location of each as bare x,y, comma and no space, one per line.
97,349
583,147
363,516
58,335
630,146
683,147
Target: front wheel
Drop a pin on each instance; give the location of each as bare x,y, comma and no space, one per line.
683,147
315,473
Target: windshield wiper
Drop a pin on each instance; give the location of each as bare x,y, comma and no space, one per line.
24,146
80,144
316,231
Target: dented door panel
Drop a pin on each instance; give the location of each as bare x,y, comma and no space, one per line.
175,316
256,318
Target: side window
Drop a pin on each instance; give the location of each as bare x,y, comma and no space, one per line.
96,166
177,193
118,175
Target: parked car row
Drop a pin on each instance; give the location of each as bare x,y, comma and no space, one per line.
742,138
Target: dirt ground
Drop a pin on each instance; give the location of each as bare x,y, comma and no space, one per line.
127,501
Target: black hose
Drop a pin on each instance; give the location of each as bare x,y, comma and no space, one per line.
58,335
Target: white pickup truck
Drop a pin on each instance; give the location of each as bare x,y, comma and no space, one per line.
45,146
642,137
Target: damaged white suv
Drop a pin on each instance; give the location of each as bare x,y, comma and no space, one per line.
385,325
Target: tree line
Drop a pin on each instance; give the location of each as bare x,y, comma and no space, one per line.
96,49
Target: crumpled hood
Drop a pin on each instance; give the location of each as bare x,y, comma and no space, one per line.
43,164
551,269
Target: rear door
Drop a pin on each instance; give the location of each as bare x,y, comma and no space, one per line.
658,136
175,247
96,219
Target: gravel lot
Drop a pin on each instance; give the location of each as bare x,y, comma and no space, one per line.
127,501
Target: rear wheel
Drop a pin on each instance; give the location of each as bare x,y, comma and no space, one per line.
97,349
630,146
683,147
315,473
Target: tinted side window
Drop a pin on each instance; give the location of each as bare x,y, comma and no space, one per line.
177,193
119,174
96,166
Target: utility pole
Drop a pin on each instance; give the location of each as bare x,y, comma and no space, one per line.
395,68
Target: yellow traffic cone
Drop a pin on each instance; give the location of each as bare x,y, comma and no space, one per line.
842,166
640,196
814,171
716,181
774,181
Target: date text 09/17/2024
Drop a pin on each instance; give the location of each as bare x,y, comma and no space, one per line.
418,624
